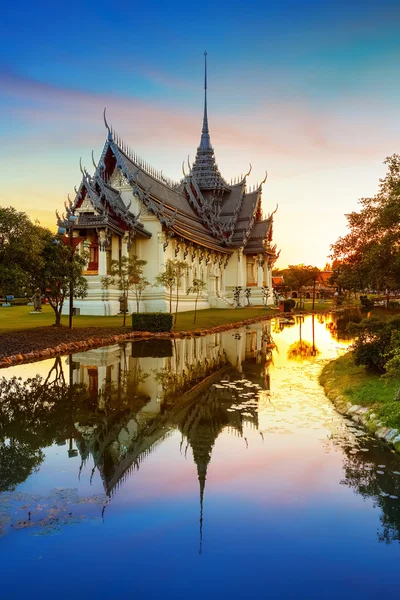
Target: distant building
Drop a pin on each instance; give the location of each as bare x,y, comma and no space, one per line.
128,208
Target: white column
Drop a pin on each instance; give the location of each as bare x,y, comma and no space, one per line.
124,247
260,272
102,253
240,267
115,247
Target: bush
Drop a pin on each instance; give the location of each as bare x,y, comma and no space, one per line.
366,302
377,342
152,322
289,304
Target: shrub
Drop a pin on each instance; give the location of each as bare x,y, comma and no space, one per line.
377,342
289,304
151,321
366,302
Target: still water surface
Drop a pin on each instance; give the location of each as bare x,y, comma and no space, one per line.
206,467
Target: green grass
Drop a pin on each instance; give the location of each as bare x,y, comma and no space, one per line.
18,317
363,388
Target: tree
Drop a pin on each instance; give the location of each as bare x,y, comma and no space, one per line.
179,267
297,277
167,279
371,249
60,266
21,245
197,287
128,274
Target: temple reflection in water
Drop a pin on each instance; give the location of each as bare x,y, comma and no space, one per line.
176,389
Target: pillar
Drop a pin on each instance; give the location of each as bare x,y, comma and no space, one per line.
115,247
102,253
124,247
260,272
240,267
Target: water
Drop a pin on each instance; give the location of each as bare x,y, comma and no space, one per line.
212,466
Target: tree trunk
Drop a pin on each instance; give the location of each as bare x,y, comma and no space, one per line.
314,283
177,300
58,317
170,299
125,307
195,309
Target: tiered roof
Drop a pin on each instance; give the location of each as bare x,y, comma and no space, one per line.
201,210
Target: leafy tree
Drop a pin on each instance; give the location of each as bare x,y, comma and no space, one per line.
348,277
371,249
21,245
197,287
128,274
297,277
377,343
179,267
60,267
167,280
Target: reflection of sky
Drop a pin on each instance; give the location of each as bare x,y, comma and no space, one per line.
309,91
277,521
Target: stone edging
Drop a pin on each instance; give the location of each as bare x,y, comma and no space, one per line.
362,415
72,347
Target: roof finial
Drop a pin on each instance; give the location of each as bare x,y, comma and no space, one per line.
205,142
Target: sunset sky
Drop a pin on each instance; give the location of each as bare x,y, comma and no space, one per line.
309,91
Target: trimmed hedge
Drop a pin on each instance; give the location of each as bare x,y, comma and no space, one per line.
289,304
151,322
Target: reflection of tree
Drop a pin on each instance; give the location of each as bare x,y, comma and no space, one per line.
17,462
339,322
44,410
369,483
302,350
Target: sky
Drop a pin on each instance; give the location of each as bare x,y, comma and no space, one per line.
309,91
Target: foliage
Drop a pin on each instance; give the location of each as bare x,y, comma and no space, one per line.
197,287
61,266
370,252
179,268
366,303
128,274
288,304
21,245
297,277
151,322
167,279
377,342
348,277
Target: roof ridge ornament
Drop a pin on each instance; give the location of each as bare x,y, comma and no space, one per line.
249,171
265,178
109,129
93,161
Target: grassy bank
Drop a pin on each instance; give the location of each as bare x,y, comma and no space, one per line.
344,382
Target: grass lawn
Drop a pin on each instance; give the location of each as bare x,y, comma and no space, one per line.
19,317
360,387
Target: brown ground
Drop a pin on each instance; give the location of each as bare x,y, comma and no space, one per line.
29,340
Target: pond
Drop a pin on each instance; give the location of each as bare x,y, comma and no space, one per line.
209,466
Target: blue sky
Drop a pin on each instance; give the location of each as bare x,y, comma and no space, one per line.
309,91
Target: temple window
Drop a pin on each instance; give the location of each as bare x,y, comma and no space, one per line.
251,273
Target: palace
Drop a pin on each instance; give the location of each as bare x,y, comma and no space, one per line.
127,208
